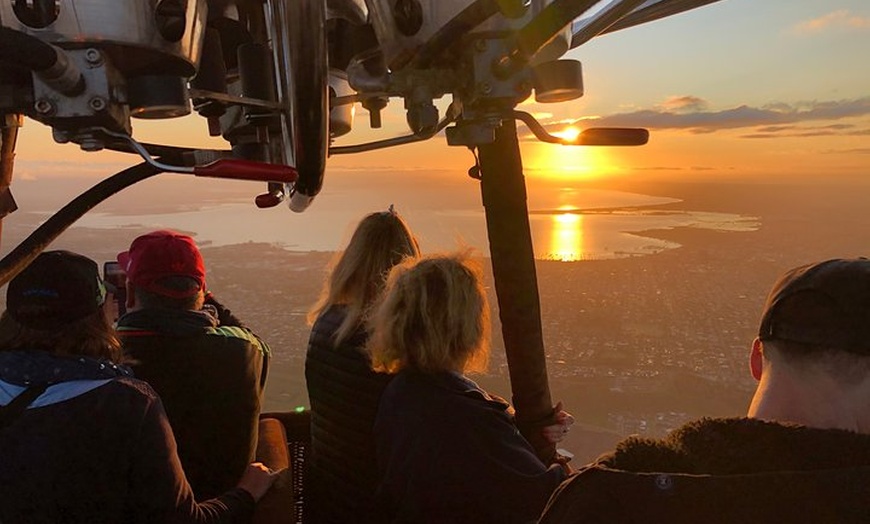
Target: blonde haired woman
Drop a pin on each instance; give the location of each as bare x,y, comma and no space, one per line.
342,388
448,451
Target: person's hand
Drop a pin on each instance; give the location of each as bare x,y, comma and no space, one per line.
554,433
110,308
224,315
257,479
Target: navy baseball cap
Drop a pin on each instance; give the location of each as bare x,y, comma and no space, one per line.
57,288
823,304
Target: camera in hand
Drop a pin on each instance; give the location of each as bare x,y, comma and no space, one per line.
115,279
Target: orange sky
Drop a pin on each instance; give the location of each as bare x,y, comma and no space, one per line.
790,95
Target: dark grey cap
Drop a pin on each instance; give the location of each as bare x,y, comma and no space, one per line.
823,304
57,288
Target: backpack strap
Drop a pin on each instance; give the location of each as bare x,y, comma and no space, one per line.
14,409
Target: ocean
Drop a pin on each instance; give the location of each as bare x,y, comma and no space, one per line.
566,224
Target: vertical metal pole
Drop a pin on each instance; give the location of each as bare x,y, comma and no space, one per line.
513,264
8,137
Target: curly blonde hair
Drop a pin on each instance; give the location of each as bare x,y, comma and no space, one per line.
434,317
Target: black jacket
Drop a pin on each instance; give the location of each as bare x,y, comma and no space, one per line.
94,448
211,380
344,394
724,471
451,453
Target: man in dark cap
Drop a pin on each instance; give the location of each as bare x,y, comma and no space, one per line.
209,370
802,454
81,440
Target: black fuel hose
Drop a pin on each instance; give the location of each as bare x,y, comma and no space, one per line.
26,51
49,62
33,245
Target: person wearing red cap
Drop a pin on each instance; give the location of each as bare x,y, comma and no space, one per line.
209,370
802,454
81,440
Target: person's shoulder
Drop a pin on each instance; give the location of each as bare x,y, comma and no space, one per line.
404,387
334,314
327,324
239,334
129,395
595,493
429,389
132,386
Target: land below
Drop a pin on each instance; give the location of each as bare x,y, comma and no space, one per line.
635,345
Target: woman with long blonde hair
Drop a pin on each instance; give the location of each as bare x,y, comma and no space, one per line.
342,388
448,451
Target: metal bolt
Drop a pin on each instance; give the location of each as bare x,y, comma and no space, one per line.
93,57
480,45
44,107
664,482
485,88
375,118
91,144
97,103
60,136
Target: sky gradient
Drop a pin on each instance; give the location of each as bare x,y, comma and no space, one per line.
740,87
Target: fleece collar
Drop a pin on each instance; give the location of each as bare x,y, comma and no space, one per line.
742,445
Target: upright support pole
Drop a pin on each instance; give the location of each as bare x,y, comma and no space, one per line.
513,264
8,137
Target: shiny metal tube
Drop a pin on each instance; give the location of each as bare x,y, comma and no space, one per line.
600,21
301,69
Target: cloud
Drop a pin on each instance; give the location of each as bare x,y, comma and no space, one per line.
840,19
680,104
780,116
807,131
778,129
775,129
859,151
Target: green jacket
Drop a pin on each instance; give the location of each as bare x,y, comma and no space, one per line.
211,380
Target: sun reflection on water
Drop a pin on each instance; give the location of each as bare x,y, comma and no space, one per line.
567,237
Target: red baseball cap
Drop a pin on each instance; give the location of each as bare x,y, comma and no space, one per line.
161,254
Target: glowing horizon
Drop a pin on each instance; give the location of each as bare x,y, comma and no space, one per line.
801,107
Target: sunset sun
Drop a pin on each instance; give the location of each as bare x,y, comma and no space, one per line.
569,133
566,162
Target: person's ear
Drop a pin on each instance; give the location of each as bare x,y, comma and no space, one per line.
756,358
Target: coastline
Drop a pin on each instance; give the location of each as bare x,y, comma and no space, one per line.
634,345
